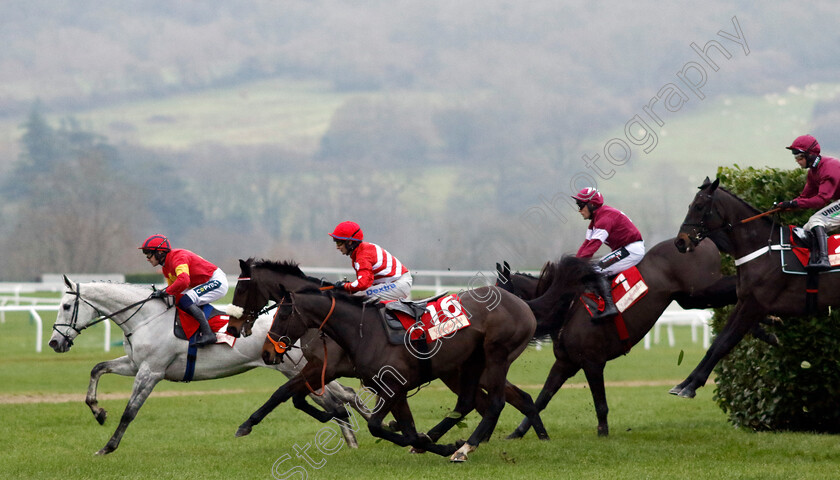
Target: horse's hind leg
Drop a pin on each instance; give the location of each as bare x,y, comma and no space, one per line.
595,377
523,402
144,383
120,366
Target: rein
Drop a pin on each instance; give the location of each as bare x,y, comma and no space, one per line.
324,341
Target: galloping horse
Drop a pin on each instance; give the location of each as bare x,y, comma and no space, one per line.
153,353
500,326
763,288
693,281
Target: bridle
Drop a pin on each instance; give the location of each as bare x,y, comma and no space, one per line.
101,317
702,231
284,342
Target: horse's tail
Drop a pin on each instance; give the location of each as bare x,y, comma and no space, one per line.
560,284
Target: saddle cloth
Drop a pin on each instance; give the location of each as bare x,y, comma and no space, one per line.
218,321
628,287
443,317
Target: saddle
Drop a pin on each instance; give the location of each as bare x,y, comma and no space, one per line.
215,317
796,245
394,328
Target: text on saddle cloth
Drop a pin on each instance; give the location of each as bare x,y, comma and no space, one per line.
628,287
442,318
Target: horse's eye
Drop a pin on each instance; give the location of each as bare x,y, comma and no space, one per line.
66,306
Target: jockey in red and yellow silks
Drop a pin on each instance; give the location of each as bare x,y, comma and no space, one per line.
378,273
192,280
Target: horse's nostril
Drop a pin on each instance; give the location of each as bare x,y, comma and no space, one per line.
53,344
232,331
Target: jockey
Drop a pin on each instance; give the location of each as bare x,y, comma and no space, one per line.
195,280
613,228
378,273
822,189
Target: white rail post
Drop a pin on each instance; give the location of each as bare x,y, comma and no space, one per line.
40,327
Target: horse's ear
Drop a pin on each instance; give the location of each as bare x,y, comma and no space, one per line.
705,184
714,185
507,268
244,266
68,282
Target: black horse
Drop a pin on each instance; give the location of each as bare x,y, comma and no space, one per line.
693,281
763,288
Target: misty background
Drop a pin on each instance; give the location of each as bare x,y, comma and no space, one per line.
452,132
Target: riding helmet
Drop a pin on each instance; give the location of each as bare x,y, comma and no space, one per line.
591,196
156,242
350,231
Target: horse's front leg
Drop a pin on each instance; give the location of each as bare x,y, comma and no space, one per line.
120,366
562,370
398,406
743,318
144,383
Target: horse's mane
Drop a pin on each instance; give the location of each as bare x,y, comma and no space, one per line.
743,202
564,281
286,267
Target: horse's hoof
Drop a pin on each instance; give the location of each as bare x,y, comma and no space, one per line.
458,457
675,391
544,437
687,393
416,450
104,451
244,430
101,416
516,435
462,453
603,432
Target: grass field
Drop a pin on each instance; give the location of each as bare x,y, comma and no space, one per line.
186,430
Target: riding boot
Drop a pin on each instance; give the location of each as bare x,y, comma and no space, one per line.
205,333
819,255
605,290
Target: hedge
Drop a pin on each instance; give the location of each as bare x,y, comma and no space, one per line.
795,386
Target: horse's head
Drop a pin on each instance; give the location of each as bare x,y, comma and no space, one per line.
702,218
503,277
72,316
248,300
285,329
84,305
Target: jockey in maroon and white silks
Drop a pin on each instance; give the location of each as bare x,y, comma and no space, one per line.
614,229
611,227
821,192
379,274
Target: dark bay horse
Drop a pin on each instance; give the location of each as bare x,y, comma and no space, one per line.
694,281
478,356
263,276
336,364
763,288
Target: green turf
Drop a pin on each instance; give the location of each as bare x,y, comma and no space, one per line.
653,434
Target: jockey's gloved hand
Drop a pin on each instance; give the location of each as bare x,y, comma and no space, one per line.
158,294
339,285
787,205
